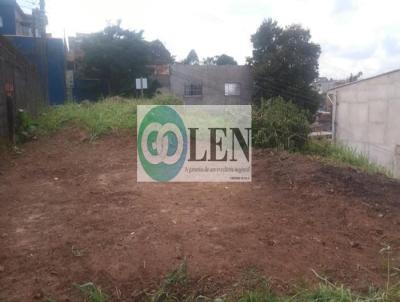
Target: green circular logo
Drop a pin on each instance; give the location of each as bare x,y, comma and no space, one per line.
162,143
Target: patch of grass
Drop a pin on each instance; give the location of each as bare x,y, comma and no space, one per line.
178,276
171,286
254,287
324,293
332,293
258,296
92,292
98,118
253,279
175,288
341,155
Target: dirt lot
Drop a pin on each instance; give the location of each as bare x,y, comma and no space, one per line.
71,212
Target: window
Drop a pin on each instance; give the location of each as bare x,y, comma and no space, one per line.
232,89
193,90
26,31
1,22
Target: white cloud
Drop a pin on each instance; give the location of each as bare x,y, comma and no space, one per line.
355,35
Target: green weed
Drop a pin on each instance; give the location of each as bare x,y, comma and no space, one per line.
25,127
169,289
92,292
98,118
341,155
280,124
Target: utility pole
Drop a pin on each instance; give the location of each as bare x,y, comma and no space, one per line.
42,20
42,10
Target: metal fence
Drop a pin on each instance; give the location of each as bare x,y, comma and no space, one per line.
20,88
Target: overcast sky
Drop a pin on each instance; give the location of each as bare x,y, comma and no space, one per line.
355,35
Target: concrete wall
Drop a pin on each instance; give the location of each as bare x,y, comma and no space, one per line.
213,79
368,118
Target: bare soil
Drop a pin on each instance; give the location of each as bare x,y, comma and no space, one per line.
71,211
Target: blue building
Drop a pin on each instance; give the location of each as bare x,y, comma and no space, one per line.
27,32
13,20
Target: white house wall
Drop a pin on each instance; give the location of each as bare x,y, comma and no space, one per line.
368,119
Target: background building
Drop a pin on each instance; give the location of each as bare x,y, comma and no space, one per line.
211,84
323,84
27,33
13,21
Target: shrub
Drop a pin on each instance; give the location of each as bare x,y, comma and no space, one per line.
25,127
280,124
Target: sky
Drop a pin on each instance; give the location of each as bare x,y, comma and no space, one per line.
355,35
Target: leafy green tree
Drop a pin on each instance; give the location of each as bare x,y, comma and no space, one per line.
118,56
225,60
220,60
159,54
209,61
192,58
285,63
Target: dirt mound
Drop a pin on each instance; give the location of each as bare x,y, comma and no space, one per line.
72,212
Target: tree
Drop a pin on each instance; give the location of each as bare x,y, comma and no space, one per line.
225,60
192,58
285,63
117,57
159,54
209,61
220,60
356,77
